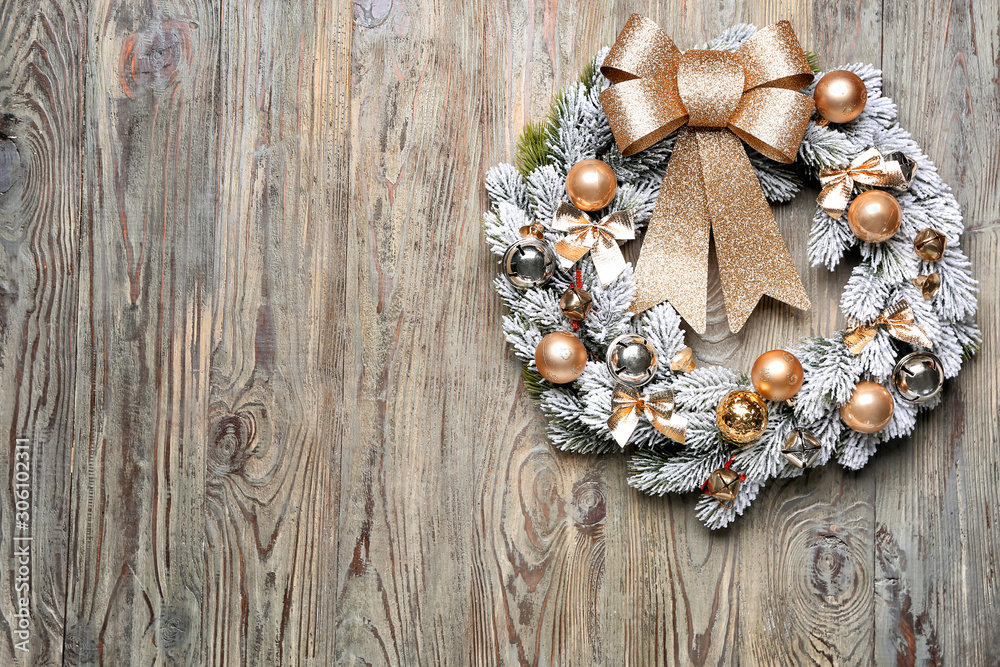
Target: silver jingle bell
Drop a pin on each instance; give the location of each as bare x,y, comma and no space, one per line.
802,448
907,165
632,360
529,262
918,377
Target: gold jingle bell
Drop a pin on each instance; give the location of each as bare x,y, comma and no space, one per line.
802,448
723,485
929,244
575,303
741,416
535,230
683,361
928,285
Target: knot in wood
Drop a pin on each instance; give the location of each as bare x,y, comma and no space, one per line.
588,505
153,57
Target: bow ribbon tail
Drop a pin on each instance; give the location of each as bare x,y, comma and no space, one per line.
624,414
673,264
753,258
608,258
571,249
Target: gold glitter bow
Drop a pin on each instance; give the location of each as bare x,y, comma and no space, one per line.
897,320
710,186
658,409
600,239
869,168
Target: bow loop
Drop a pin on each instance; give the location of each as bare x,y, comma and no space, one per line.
897,320
642,51
600,239
657,408
749,94
773,57
869,168
773,121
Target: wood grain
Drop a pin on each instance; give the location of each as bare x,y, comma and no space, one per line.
41,133
246,321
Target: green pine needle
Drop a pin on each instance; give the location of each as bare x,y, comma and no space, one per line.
532,152
813,59
534,383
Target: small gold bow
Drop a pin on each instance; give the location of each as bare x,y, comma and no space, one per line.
897,320
600,239
717,99
869,168
658,409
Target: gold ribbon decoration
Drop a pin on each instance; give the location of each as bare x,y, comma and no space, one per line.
897,320
600,239
658,409
715,99
869,168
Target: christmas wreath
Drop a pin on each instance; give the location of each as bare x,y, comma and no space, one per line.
650,143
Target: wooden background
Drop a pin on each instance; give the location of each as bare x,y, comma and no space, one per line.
246,323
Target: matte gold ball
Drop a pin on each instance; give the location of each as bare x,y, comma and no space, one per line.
741,416
777,375
869,409
560,357
840,96
874,216
591,185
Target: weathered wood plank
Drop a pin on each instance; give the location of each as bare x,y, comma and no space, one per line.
271,535
937,550
41,146
136,572
415,372
540,514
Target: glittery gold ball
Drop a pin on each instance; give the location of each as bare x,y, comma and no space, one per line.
741,416
560,357
874,216
840,96
777,375
591,185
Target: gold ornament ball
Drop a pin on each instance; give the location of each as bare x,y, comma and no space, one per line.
840,96
777,375
874,216
741,416
869,409
591,185
560,357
